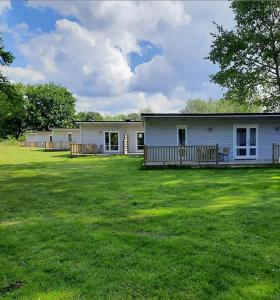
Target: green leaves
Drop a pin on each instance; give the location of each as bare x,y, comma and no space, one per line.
249,55
49,106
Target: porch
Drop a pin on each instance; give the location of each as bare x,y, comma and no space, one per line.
209,155
57,146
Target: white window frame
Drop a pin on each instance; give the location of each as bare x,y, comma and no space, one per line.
235,126
119,145
71,137
186,133
136,136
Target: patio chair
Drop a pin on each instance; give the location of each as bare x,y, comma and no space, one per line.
225,153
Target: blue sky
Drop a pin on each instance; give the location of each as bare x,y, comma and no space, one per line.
116,56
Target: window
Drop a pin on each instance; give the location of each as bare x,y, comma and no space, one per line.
181,136
140,141
69,137
50,138
111,141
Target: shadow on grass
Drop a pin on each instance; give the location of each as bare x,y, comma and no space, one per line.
96,227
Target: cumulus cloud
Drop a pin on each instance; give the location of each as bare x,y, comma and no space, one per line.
24,75
90,53
83,60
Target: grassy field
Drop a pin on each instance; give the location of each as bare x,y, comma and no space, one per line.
91,228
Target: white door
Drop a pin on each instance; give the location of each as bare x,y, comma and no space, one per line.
246,140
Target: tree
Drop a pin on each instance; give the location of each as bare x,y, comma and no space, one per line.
49,106
218,106
11,100
146,111
249,55
6,58
12,112
89,116
133,117
119,117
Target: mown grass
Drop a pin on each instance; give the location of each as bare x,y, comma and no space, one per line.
93,227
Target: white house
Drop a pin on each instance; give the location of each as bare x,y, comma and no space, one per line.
113,137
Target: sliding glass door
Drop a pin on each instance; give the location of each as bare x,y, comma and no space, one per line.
111,141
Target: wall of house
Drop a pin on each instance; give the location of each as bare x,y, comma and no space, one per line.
43,136
163,132
31,137
61,135
94,133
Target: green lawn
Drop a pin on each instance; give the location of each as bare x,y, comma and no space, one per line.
93,227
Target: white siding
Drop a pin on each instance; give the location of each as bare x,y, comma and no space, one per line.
61,135
30,137
43,136
162,131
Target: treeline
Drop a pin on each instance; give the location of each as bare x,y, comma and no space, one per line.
44,106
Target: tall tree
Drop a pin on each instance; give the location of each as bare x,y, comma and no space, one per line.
249,55
6,58
48,106
12,110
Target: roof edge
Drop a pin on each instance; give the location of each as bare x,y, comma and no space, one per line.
274,114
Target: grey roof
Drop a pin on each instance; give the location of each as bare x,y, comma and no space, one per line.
207,115
119,122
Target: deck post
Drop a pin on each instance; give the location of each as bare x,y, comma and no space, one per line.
180,154
217,154
145,154
273,154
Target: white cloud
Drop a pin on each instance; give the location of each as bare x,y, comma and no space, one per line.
90,55
130,102
17,74
4,6
83,60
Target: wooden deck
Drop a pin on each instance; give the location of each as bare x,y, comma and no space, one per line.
57,146
233,163
200,156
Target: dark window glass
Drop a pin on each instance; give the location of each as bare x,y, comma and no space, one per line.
69,137
241,152
253,139
114,136
50,138
107,141
241,137
253,151
182,136
140,140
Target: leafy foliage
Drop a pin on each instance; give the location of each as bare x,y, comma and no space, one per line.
49,106
249,55
6,58
11,100
219,106
12,112
88,116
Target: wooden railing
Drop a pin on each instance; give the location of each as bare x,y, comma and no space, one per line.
57,146
82,149
275,153
32,144
180,154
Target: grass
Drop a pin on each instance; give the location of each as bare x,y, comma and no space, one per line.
93,227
